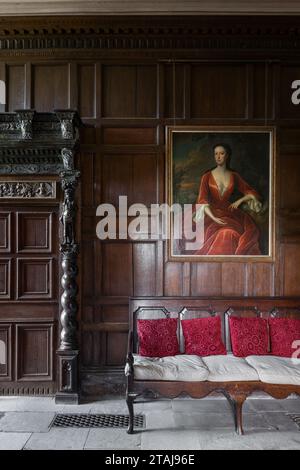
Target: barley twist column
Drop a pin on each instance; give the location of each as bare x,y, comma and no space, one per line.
68,349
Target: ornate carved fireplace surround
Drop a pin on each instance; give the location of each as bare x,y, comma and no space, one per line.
38,180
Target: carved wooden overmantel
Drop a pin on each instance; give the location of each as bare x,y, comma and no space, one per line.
36,152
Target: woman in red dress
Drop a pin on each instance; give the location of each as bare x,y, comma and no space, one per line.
228,230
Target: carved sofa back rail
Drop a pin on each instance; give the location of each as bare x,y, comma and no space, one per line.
192,307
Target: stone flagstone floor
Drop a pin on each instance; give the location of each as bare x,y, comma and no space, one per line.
180,424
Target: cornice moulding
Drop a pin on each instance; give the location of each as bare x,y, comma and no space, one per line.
143,7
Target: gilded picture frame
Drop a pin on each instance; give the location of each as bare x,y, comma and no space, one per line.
223,179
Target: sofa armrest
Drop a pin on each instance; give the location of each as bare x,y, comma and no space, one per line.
129,357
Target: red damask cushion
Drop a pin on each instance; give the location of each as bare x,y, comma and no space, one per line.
283,333
249,336
158,338
202,336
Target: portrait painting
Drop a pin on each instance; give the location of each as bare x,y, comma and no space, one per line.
220,185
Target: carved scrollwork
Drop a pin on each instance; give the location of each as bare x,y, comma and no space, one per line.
28,189
8,126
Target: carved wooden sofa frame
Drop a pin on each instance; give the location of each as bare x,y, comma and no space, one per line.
236,392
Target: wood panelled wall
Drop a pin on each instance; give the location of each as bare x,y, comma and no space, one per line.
125,99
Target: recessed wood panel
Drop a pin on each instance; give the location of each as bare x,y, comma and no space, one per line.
86,352
5,279
262,82
16,87
234,280
145,181
34,352
290,182
129,135
174,90
173,279
129,91
146,88
87,90
206,279
144,261
218,91
5,232
113,313
289,142
117,178
116,348
50,87
131,176
287,76
291,255
88,268
117,269
263,279
34,232
34,278
5,352
87,178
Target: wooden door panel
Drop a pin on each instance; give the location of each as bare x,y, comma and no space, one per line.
34,352
35,278
34,232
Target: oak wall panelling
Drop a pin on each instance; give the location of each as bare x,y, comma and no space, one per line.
129,79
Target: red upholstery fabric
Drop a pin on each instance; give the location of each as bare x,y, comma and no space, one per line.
158,338
203,337
283,332
249,336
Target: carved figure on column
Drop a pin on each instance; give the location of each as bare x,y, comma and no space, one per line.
68,159
25,120
69,208
68,218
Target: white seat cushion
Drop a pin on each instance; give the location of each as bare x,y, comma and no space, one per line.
276,370
229,369
180,368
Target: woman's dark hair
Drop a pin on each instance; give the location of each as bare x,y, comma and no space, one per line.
226,147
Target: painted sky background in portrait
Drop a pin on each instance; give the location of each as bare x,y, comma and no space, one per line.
193,155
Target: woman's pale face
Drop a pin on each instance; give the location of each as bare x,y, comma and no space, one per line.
220,155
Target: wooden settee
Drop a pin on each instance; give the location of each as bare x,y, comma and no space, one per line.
236,392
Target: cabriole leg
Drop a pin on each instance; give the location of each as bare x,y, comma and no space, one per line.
130,401
239,401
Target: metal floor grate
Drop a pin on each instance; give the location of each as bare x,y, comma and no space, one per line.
80,420
296,419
